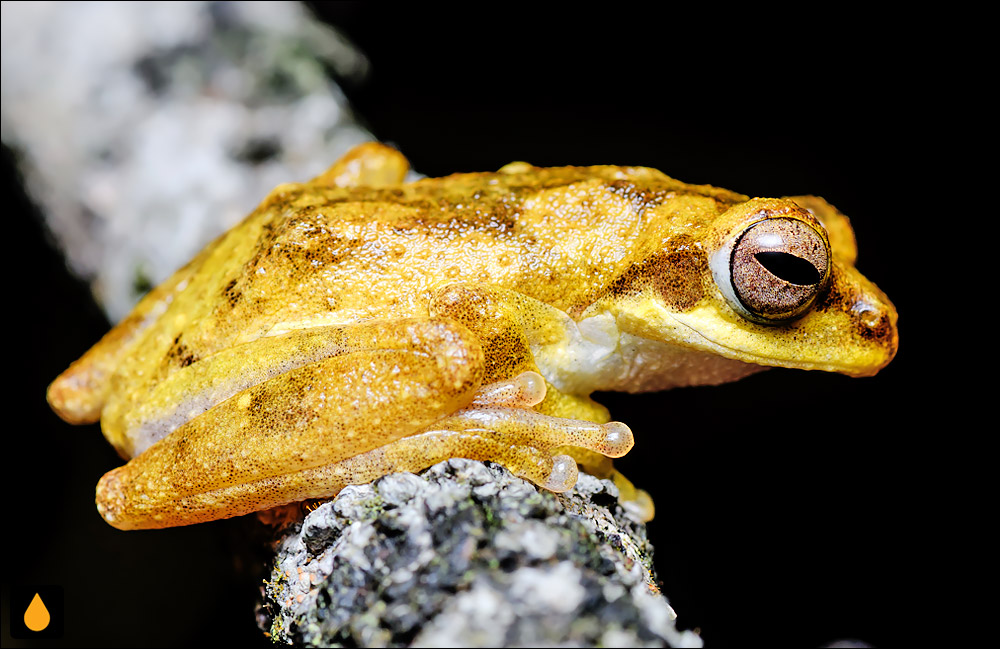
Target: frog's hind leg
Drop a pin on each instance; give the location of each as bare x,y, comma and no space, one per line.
497,426
78,394
266,444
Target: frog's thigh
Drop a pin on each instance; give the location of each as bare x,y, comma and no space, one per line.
133,422
255,450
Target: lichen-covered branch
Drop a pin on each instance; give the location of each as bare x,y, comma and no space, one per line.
466,554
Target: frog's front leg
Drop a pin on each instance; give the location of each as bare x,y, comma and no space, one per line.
497,426
514,327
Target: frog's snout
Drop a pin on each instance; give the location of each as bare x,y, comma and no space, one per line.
872,320
875,322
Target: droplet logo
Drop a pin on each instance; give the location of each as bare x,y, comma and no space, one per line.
36,616
36,611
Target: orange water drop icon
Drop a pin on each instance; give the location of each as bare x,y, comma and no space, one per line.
36,617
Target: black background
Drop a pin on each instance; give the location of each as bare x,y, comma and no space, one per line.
790,505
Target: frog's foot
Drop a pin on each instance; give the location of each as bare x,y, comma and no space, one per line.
634,500
520,426
415,453
500,426
520,439
116,501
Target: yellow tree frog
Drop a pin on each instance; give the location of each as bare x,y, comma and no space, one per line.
356,325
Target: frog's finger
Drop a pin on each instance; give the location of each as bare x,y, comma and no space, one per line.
553,472
521,426
527,389
636,501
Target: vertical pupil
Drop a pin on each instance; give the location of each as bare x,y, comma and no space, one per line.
788,267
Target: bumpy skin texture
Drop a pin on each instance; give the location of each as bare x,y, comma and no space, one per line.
353,325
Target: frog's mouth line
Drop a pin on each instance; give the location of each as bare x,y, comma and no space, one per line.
766,361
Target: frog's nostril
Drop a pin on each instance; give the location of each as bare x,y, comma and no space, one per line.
875,322
867,314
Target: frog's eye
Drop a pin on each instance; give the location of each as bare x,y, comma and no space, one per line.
776,269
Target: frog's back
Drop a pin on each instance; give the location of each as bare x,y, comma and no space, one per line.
312,255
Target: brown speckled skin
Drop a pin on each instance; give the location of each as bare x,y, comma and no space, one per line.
346,327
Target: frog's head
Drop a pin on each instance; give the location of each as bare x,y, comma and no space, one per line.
768,282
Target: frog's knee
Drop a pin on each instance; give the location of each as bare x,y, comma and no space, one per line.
75,398
371,164
115,504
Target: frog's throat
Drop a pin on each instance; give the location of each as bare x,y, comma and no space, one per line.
614,351
597,353
765,361
807,347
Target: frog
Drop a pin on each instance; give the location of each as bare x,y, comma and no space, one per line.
360,324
